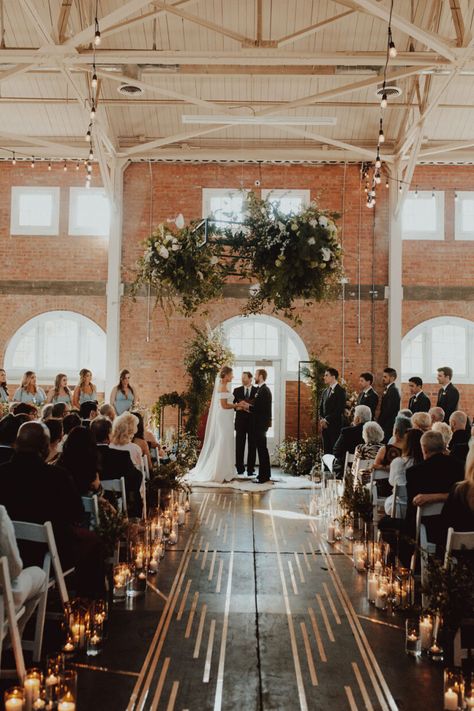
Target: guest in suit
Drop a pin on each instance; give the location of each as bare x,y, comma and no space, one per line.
436,414
459,444
350,437
243,424
261,410
331,410
448,395
390,404
419,401
368,396
88,412
9,426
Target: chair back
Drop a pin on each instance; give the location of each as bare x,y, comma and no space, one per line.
91,507
348,460
10,624
457,541
145,467
399,501
118,487
328,461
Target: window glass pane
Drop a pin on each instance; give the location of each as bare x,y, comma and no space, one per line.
287,204
292,357
24,354
227,208
467,214
59,343
93,352
90,212
448,346
412,356
35,209
419,214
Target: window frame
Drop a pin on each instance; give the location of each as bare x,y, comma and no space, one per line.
18,230
73,229
459,233
304,193
208,193
439,234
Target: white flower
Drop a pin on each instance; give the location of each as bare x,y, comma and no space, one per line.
281,226
175,246
214,260
313,222
200,275
277,263
323,221
311,240
326,253
163,252
294,226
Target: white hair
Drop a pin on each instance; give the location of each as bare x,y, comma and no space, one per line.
372,433
363,413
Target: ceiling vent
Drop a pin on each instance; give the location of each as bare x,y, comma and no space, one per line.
129,88
391,89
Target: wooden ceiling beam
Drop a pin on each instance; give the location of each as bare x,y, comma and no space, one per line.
63,19
463,35
312,29
124,10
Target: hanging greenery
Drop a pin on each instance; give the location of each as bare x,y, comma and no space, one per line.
314,372
450,589
290,257
173,399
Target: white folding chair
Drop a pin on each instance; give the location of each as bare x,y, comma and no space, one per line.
361,464
9,620
118,487
328,461
348,460
399,501
456,541
426,547
145,467
91,507
377,475
43,533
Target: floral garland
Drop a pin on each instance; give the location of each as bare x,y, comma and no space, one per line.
173,399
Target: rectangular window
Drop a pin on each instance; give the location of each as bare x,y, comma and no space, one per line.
34,211
224,205
423,215
288,201
89,212
464,215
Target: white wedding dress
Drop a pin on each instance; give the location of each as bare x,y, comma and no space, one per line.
216,460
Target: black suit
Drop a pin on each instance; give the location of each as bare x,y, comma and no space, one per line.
369,398
331,409
114,464
419,402
389,409
448,399
244,430
347,441
6,453
459,445
261,410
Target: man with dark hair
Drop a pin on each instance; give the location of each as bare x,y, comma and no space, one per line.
88,412
419,401
70,421
9,426
367,395
261,410
390,405
448,395
243,425
60,410
115,463
331,410
25,408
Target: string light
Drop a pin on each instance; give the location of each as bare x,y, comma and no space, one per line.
89,134
13,158
89,168
77,165
33,162
433,194
91,154
378,177
378,161
400,188
456,196
92,114
387,185
65,167
381,133
49,166
383,103
416,192
392,50
97,37
94,78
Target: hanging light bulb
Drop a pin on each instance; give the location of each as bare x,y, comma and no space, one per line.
91,154
433,194
89,168
456,196
392,50
372,193
89,134
416,191
366,189
33,162
92,111
77,165
49,165
13,158
97,33
387,184
94,79
65,167
378,161
383,103
381,133
400,188
378,178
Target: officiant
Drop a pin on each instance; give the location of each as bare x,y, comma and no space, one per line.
243,425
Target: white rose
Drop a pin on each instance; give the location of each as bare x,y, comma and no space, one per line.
326,253
200,275
163,252
175,246
294,226
281,226
323,221
214,260
313,222
311,240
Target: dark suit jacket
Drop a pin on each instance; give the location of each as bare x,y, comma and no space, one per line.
370,398
261,408
419,403
243,418
6,454
459,445
448,400
347,441
332,407
114,463
389,409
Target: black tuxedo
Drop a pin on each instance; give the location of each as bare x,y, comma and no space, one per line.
389,409
370,398
244,430
347,441
419,402
114,464
261,410
459,445
448,399
331,409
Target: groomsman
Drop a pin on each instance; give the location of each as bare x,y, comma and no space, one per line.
448,395
390,404
368,396
244,426
419,401
331,410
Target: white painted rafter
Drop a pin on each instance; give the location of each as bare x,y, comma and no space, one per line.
312,29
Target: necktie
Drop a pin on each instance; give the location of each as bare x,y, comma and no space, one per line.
246,392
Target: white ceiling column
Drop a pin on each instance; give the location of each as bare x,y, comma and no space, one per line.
395,288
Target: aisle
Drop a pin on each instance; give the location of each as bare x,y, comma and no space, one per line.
255,615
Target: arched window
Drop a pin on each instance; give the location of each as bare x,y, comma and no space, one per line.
447,340
54,342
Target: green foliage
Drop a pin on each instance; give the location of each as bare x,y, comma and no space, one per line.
355,499
188,451
450,590
205,355
315,374
112,527
169,476
298,458
172,399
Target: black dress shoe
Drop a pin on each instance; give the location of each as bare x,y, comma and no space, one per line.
261,481
250,473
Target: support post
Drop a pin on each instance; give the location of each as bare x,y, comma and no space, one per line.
395,288
114,281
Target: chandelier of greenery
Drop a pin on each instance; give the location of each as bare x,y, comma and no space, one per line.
289,256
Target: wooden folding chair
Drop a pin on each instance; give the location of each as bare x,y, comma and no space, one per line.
9,620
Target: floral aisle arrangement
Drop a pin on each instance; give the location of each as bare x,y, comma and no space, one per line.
298,457
289,256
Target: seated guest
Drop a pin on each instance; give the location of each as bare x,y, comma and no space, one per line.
114,464
87,412
150,437
411,455
79,458
406,412
436,414
421,421
446,433
55,427
372,435
419,401
124,428
70,421
139,438
367,395
391,451
46,411
29,583
350,437
108,411
9,426
458,511
60,393
459,445
25,408
34,491
29,391
60,410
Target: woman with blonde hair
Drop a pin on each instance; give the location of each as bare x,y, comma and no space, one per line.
85,390
60,392
124,428
123,396
446,432
3,386
29,391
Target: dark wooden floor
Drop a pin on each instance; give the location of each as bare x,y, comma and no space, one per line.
252,611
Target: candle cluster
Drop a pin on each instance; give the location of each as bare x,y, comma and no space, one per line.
56,689
84,626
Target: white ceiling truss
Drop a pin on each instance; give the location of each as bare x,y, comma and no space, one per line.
298,58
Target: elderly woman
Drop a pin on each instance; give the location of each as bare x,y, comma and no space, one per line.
372,434
124,429
446,432
421,421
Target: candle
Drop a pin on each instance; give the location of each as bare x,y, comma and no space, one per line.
67,703
52,680
350,533
187,505
426,632
450,700
173,538
79,633
360,564
39,704
372,584
469,701
381,599
378,567
69,646
331,533
14,704
153,566
32,687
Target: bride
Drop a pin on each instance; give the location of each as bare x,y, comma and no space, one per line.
216,460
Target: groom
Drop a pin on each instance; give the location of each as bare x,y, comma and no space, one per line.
261,409
243,425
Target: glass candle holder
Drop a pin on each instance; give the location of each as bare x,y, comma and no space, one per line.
14,699
469,691
381,597
331,532
68,689
435,652
349,531
42,702
404,589
32,687
412,638
453,689
121,575
67,702
54,669
426,632
372,585
94,641
136,584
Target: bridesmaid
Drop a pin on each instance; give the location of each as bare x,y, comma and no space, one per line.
3,386
123,396
29,391
60,392
85,391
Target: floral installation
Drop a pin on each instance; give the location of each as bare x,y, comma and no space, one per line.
172,399
298,457
4,409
